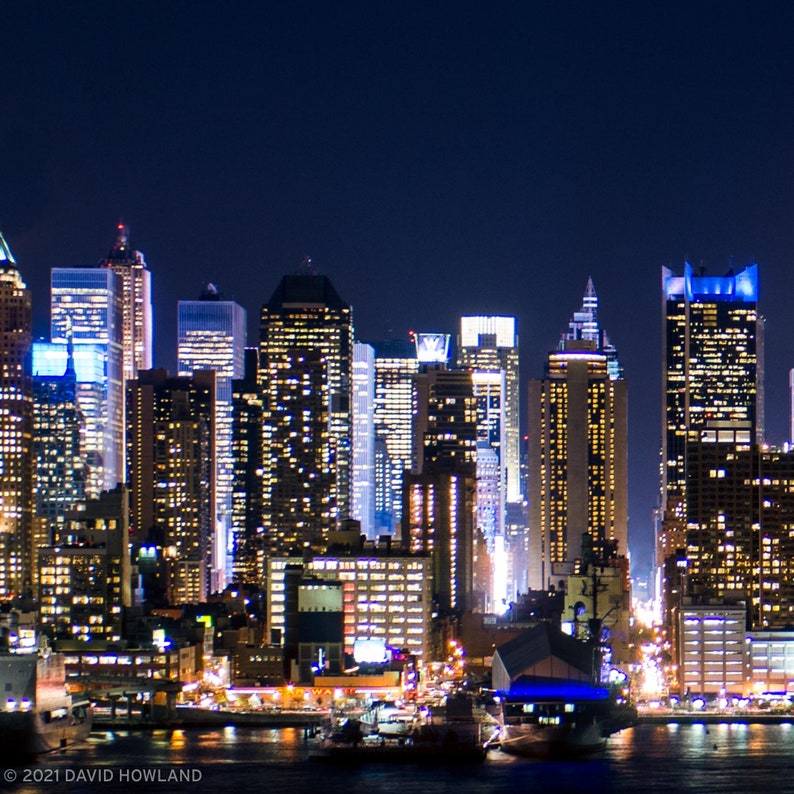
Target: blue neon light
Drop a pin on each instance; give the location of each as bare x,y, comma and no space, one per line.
742,287
565,690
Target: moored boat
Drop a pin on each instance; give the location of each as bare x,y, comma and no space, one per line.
38,714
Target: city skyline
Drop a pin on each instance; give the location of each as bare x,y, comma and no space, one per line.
433,162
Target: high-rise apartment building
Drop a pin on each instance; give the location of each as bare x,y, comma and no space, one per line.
16,427
306,362
489,345
211,334
136,289
87,307
171,461
395,366
578,465
363,505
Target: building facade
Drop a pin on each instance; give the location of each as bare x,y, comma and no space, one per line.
87,307
578,476
171,452
211,335
137,322
395,366
363,505
16,429
306,360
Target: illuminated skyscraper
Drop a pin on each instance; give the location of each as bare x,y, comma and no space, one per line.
212,335
577,463
490,345
395,366
87,305
363,508
248,406
171,460
440,493
16,425
136,290
712,350
306,360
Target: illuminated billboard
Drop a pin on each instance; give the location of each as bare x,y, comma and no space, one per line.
432,348
370,652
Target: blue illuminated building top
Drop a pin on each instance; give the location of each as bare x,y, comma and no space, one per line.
741,287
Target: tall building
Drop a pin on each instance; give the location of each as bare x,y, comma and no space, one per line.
306,362
395,366
136,289
713,361
739,512
440,493
87,307
712,354
578,465
60,470
248,407
489,345
171,460
211,334
16,426
363,506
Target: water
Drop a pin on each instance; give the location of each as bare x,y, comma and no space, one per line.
691,758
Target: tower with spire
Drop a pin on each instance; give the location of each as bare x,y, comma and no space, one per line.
16,429
585,332
137,323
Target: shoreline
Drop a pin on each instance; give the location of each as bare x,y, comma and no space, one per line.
713,718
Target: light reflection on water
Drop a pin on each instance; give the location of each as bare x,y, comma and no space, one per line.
673,758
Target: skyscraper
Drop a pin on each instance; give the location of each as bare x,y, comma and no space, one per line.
136,290
171,460
490,345
578,463
712,353
440,493
248,406
363,507
87,306
212,335
395,366
306,360
16,425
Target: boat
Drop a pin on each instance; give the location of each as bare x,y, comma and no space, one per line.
453,736
38,715
551,702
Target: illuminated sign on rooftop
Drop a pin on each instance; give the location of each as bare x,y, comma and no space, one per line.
432,348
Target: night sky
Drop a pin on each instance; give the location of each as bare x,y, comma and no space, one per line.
433,159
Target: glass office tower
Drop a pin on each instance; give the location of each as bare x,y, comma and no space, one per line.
212,335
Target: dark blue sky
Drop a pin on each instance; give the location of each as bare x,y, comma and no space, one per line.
433,159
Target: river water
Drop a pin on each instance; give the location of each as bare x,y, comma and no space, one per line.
668,758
